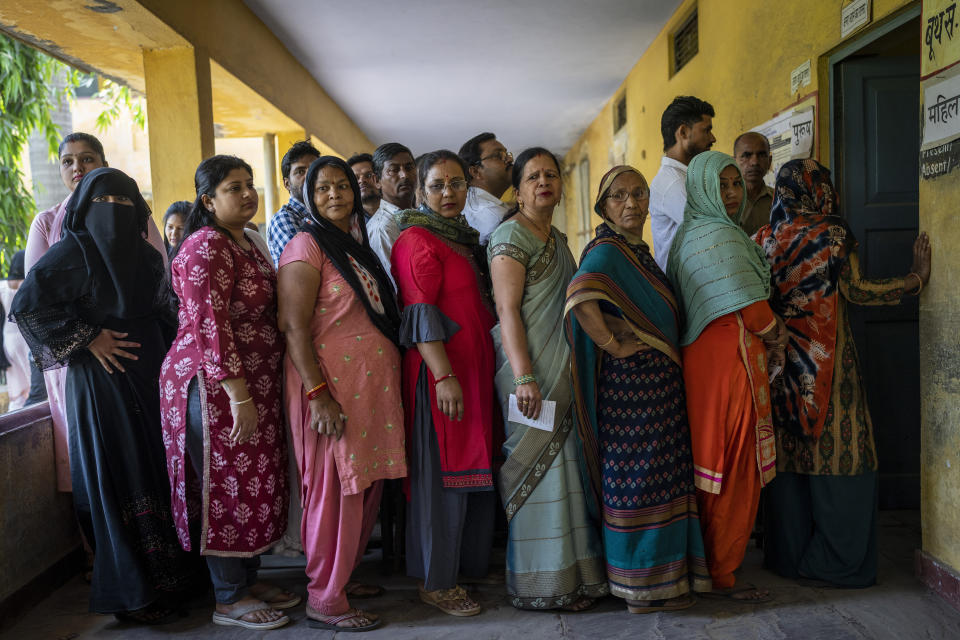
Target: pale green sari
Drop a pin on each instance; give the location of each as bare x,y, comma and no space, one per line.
554,555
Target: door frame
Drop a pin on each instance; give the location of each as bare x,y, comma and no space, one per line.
845,51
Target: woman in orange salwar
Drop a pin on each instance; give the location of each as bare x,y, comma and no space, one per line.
723,281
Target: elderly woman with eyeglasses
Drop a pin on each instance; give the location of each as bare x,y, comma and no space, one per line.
447,387
622,321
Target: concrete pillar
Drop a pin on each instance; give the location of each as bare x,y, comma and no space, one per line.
270,200
285,140
179,120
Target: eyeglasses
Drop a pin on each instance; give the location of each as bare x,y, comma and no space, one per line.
438,188
638,195
503,156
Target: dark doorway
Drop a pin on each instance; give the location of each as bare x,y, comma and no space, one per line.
877,133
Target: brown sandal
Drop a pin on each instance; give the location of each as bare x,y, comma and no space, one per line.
451,601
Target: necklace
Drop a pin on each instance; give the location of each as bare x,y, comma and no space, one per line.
536,226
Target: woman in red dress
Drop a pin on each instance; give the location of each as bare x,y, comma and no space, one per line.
220,390
447,387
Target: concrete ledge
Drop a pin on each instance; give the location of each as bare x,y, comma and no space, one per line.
38,529
940,578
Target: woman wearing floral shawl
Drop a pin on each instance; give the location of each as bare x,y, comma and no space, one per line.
821,515
722,280
622,322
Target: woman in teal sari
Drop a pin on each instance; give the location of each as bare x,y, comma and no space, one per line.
622,321
554,558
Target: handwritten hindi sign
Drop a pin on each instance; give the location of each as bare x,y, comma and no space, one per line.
779,130
941,109
853,16
801,134
800,77
941,36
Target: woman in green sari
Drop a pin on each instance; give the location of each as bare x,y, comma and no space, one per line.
554,557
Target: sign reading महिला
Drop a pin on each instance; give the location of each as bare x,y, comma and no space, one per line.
941,109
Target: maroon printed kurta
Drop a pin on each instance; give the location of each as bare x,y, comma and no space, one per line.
228,329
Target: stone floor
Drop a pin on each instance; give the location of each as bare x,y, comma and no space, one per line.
899,607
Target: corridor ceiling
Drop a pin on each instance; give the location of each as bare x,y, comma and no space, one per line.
432,74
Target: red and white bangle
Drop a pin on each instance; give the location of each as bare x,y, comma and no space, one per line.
442,378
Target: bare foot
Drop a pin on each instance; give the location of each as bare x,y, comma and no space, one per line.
580,605
263,615
283,596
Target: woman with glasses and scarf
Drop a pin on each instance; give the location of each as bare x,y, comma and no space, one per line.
340,320
448,387
95,302
623,324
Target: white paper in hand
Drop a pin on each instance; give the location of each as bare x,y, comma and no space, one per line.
545,421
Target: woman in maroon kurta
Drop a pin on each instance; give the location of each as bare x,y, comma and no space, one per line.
220,389
447,387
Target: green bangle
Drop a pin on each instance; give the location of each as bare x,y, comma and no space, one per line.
524,379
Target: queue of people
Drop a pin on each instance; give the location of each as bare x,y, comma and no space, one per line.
403,322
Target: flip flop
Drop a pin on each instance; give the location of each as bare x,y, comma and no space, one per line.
449,601
331,623
151,615
234,618
652,606
590,604
272,591
352,587
728,594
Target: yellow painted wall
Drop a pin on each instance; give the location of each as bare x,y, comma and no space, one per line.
940,372
747,50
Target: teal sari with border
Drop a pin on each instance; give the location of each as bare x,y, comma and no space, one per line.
554,556
631,422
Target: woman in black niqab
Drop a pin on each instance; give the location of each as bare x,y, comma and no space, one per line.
96,297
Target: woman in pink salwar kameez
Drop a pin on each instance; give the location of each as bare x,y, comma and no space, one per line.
79,153
341,324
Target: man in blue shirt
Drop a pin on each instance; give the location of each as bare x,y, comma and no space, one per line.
286,222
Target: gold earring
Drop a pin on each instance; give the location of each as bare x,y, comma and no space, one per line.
520,204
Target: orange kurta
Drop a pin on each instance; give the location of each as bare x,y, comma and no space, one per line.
728,405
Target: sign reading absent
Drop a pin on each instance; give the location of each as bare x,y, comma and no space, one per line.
800,77
941,36
853,16
939,161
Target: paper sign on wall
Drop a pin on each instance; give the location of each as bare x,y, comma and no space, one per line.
941,110
800,77
801,134
853,16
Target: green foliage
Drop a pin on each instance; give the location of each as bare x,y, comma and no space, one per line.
26,104
118,98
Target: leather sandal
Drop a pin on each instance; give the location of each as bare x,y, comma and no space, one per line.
451,601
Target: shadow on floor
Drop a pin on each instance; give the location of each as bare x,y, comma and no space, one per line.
898,607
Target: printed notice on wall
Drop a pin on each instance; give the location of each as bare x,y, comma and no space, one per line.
780,129
940,160
853,16
941,109
941,36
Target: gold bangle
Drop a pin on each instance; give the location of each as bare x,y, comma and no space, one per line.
919,281
607,342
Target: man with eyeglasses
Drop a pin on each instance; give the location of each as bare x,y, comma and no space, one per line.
489,164
396,177
362,165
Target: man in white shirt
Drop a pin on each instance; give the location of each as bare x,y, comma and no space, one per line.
396,176
686,126
489,164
